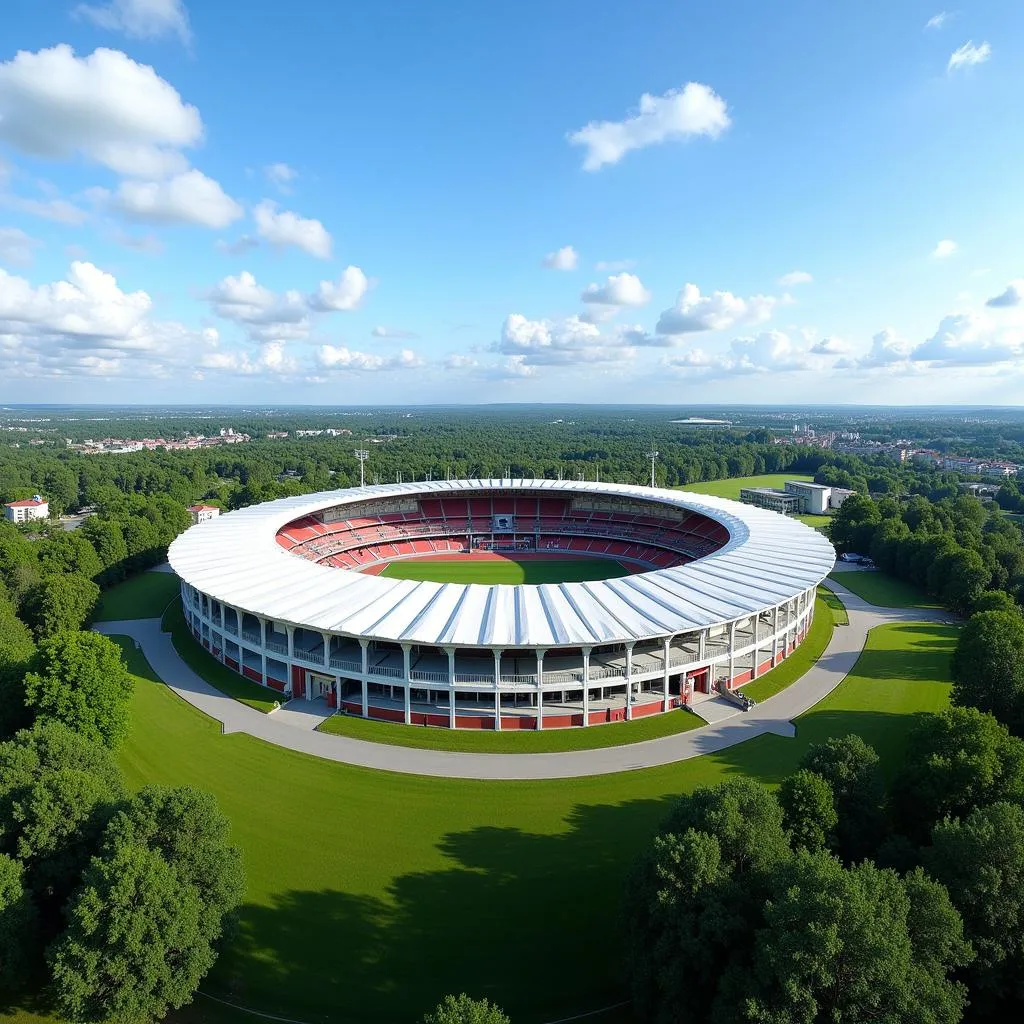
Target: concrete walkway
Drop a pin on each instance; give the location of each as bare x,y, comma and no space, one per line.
774,715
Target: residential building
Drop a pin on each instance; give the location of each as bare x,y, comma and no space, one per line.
201,513
24,511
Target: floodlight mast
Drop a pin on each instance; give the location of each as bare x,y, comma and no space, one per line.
362,455
652,455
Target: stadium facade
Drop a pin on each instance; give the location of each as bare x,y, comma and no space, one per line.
287,594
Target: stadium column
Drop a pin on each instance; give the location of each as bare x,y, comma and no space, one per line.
756,656
540,689
450,651
364,650
702,645
497,689
407,672
586,685
629,681
291,659
732,652
327,650
664,681
775,638
263,647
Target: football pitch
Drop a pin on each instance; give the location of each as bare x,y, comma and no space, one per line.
505,570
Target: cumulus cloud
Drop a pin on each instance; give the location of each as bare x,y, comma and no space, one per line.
342,295
460,361
565,258
240,246
189,198
887,349
795,277
285,228
619,290
972,339
763,353
338,357
271,357
139,19
694,312
513,369
679,114
392,333
281,176
1013,295
54,208
107,107
830,347
946,248
968,56
266,314
16,247
937,20
567,342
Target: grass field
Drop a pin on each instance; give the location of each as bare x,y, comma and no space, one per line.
883,590
836,606
379,893
731,488
506,570
142,597
203,663
549,740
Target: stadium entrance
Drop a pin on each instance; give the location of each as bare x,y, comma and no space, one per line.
318,686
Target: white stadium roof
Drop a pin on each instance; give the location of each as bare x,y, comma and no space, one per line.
236,559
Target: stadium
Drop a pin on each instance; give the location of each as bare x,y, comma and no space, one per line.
377,600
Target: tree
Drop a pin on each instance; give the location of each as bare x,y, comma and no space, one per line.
837,944
107,537
68,551
966,581
135,946
956,761
852,527
81,679
16,650
188,829
57,604
980,860
808,810
18,928
997,601
850,767
463,1010
988,667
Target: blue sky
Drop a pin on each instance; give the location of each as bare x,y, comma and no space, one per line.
412,203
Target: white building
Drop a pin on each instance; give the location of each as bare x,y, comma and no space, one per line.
815,496
201,513
36,507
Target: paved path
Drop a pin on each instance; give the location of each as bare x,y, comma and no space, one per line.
771,716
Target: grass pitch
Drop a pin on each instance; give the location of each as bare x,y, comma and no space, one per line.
886,591
354,874
506,570
731,488
142,597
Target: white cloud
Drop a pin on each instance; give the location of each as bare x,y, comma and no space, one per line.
271,357
946,248
619,290
16,247
265,314
513,369
287,228
887,349
392,333
140,19
189,198
565,342
281,176
55,209
830,347
937,20
565,258
458,361
795,277
694,312
973,339
105,106
338,357
1013,295
342,295
240,246
767,352
968,56
693,110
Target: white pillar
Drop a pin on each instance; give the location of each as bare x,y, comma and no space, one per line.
450,651
406,669
664,682
629,682
540,689
732,653
337,695
497,690
291,641
327,650
702,645
586,686
757,644
364,646
775,638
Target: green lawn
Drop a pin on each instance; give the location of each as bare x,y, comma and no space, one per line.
142,597
883,590
731,488
526,742
836,606
204,664
818,522
378,893
507,571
